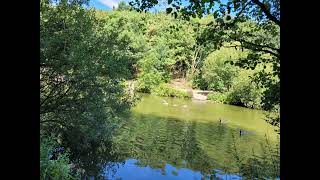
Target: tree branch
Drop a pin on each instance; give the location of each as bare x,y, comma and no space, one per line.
255,49
260,46
267,51
266,11
243,8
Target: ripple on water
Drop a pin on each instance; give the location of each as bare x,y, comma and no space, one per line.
192,140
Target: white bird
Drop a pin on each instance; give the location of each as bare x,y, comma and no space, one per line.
165,102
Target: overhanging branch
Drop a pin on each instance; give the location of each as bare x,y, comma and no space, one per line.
266,11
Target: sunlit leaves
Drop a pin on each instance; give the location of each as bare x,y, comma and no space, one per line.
81,67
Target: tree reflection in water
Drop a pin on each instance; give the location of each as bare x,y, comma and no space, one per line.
171,146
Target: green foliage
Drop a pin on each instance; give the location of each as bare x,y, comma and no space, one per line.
86,55
78,60
244,92
273,118
199,82
271,95
255,9
82,66
169,42
234,84
218,74
160,46
123,6
201,49
165,90
218,97
148,81
53,169
255,25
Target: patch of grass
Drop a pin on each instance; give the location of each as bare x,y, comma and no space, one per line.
165,90
218,97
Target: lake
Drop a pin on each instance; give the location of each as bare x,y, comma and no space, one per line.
171,138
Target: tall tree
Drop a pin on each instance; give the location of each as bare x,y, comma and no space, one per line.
82,65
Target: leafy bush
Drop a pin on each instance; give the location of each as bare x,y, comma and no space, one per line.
53,169
218,74
217,96
147,81
165,90
199,82
244,92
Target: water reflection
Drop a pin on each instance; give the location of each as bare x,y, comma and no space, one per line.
166,148
132,170
186,141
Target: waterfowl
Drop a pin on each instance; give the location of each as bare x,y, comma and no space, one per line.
222,122
165,102
242,132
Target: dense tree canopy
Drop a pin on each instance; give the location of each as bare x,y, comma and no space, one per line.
82,64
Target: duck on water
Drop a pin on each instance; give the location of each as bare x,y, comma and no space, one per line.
241,132
165,102
222,121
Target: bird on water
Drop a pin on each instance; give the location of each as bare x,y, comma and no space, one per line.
222,122
165,102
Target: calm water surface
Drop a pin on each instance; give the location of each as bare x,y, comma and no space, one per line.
168,138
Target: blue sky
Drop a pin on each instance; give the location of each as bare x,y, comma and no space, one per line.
103,4
108,4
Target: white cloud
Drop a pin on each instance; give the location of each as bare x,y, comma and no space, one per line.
110,3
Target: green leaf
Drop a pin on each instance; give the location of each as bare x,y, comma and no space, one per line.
169,10
175,14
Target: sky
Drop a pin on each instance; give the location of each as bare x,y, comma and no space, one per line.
108,4
104,4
